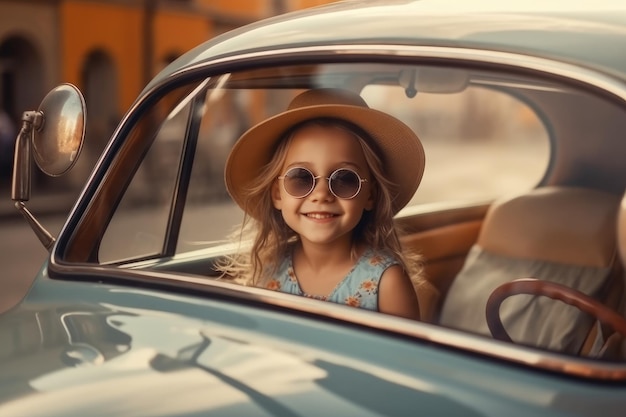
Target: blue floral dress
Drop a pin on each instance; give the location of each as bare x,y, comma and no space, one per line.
358,289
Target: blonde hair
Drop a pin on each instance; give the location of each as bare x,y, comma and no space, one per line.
272,239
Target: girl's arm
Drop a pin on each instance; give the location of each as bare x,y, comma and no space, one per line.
396,294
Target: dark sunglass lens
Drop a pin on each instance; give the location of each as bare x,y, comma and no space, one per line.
298,182
345,183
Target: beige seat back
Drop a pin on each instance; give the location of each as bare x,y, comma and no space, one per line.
621,230
615,344
561,234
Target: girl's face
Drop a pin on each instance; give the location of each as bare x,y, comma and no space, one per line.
321,217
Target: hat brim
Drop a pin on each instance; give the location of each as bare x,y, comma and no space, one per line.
402,152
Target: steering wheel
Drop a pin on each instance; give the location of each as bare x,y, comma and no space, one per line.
552,290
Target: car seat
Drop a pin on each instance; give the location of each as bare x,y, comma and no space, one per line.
564,235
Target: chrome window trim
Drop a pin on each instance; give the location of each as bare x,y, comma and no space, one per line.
592,77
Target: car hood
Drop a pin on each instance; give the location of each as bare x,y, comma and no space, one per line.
131,352
83,360
79,347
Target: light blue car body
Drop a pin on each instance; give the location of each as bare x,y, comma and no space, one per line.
124,347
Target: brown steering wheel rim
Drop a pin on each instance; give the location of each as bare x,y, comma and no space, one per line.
532,286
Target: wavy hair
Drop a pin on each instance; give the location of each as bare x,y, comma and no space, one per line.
271,238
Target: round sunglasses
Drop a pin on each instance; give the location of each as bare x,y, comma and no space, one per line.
343,183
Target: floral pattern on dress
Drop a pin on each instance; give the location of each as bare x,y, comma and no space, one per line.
292,275
377,259
273,284
357,289
370,286
353,300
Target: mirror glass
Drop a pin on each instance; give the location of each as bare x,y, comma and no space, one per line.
57,142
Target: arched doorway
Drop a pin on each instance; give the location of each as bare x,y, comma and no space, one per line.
100,88
21,84
21,89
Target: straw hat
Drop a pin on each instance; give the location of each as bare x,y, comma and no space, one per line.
401,150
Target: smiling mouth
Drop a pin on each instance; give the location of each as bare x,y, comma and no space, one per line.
320,216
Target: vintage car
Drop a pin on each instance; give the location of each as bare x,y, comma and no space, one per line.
521,110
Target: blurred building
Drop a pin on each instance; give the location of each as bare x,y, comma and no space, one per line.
109,49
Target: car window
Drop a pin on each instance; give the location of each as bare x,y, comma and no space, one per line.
476,136
209,212
138,228
472,135
210,215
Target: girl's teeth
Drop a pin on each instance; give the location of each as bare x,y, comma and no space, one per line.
319,215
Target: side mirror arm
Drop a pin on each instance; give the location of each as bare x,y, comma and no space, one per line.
22,161
22,166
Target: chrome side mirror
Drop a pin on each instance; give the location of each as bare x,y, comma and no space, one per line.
53,136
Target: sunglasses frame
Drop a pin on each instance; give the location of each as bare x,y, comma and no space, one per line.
330,188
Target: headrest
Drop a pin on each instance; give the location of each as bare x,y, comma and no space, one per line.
556,224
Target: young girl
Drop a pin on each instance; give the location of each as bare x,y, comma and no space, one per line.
320,184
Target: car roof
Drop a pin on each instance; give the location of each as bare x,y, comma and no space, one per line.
589,34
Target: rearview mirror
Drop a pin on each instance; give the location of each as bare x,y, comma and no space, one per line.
432,80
